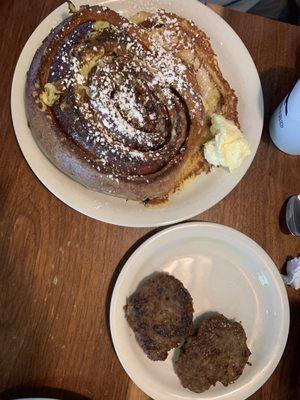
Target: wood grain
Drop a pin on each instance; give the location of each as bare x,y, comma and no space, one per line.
58,267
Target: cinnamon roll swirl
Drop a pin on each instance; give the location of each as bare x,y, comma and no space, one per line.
186,41
114,108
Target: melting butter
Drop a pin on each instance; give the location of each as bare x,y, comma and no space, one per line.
50,94
228,148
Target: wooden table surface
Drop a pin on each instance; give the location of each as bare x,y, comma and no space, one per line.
58,267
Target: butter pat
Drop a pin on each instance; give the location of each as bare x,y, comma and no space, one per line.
228,148
50,95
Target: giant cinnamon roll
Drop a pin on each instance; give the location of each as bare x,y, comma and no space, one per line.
116,109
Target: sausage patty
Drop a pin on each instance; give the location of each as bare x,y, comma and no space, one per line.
217,353
160,312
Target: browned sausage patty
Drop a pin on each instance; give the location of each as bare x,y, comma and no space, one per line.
160,312
218,353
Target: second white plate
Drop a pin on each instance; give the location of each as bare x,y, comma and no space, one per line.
205,191
224,271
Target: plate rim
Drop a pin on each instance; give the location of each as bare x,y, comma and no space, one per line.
55,189
268,370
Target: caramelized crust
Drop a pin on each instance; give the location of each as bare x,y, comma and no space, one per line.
117,110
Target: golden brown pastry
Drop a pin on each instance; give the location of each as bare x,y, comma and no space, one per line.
117,110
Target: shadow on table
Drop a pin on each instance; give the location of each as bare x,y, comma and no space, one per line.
285,380
290,363
276,84
20,392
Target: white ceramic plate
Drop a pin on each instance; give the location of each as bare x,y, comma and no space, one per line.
205,191
224,271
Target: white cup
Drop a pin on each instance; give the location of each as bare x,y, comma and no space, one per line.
285,123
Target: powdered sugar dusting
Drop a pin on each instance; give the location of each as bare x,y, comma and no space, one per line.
128,113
